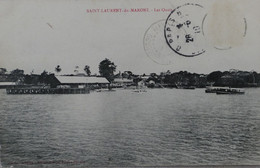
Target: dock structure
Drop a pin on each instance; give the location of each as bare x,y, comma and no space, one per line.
47,91
62,85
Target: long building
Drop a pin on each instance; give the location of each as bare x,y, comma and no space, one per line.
80,81
63,85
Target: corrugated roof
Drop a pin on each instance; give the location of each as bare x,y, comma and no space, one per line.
81,79
7,83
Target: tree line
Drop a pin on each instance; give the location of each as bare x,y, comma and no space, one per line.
107,69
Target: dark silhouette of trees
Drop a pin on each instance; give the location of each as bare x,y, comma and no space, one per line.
107,69
214,76
43,77
127,74
87,70
28,79
2,71
154,77
17,72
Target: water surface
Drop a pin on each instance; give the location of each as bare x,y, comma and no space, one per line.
160,127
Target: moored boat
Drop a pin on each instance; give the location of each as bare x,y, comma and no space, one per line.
188,87
231,91
180,86
212,89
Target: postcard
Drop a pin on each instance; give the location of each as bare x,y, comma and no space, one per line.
86,83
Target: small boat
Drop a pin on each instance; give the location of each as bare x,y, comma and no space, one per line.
188,87
184,87
215,89
231,91
181,86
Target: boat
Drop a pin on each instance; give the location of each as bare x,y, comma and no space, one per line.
188,87
231,91
185,87
211,89
180,86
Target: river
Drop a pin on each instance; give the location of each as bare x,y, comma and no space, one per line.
160,127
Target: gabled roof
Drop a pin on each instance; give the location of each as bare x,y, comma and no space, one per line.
81,80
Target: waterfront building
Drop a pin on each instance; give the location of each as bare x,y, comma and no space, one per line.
80,81
122,82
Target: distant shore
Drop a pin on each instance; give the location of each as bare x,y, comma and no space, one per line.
181,79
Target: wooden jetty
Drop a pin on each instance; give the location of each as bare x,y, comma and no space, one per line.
47,90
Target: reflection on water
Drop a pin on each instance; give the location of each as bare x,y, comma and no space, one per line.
122,128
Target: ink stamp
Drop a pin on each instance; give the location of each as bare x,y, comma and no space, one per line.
155,46
183,32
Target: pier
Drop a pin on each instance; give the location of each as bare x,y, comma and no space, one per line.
47,91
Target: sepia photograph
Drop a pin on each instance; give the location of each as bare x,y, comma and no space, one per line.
129,83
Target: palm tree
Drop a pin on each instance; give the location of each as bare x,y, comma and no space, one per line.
58,68
87,70
76,69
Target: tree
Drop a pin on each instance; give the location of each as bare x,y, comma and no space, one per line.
17,72
87,70
17,75
127,74
58,68
168,72
214,76
76,69
2,71
153,75
107,69
32,72
43,77
28,79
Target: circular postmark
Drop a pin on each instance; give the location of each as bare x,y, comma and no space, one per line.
225,25
155,45
183,30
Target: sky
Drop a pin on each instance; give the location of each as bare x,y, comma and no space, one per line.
38,35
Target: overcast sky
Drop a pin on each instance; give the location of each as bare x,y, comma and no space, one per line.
41,34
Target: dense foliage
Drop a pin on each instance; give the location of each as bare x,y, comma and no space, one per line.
107,69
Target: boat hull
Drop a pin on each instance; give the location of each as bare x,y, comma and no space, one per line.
229,92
